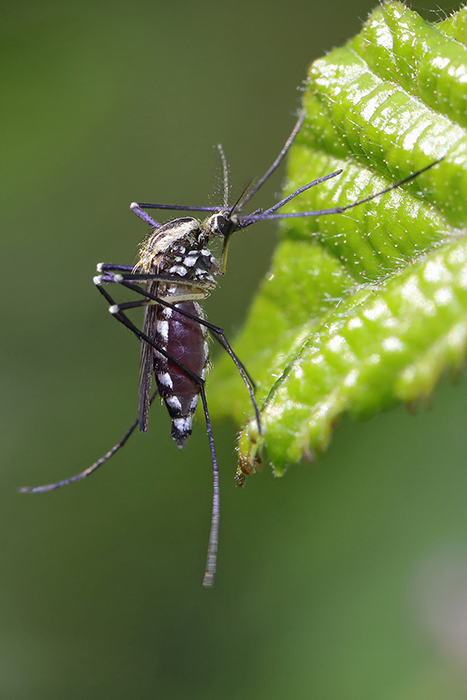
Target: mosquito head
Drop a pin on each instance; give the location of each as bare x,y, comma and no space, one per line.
223,223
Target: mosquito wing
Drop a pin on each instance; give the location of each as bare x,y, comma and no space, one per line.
146,368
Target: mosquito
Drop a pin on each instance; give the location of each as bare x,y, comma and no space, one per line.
175,271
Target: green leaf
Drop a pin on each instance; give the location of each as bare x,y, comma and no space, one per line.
364,309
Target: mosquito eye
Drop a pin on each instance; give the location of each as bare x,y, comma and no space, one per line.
222,225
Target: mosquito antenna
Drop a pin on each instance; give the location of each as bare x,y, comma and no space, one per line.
225,179
89,470
211,562
277,162
337,210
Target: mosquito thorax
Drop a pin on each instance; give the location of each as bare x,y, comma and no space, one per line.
163,239
171,243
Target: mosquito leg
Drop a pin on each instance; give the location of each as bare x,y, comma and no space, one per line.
276,163
299,191
116,308
89,470
108,278
119,315
170,207
98,282
108,267
266,214
211,562
136,209
220,337
248,220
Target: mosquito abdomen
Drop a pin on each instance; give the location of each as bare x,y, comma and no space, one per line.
185,341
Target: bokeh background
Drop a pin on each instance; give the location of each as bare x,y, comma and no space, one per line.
342,581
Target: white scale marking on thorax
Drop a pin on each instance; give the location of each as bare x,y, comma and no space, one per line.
178,270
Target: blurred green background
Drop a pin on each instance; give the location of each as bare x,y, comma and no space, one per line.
342,581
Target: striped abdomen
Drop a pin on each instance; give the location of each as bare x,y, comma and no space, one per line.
185,340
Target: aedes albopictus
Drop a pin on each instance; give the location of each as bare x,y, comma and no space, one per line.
176,270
